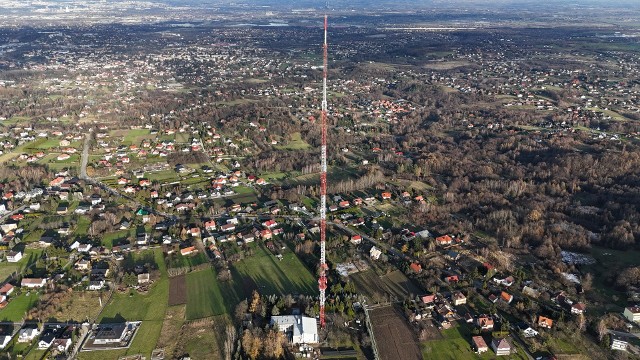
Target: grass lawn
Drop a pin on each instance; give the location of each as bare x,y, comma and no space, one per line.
7,268
206,296
177,260
294,143
30,256
36,354
80,306
131,136
18,307
171,328
164,176
150,308
562,346
457,345
82,227
272,276
45,144
202,342
108,239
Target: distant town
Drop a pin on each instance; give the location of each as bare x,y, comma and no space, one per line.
160,184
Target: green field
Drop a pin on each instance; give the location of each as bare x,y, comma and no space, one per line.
177,260
131,136
457,345
268,275
131,306
205,342
294,143
18,307
7,268
206,296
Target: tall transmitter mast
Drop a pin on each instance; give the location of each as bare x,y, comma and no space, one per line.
322,281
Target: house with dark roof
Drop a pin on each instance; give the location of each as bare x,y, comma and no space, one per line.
501,347
107,334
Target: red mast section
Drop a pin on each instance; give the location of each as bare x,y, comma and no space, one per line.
322,281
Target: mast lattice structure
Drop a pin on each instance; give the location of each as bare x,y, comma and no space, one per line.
322,281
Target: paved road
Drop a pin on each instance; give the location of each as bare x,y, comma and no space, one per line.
6,215
85,155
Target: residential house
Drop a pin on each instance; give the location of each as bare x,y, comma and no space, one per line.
27,334
61,345
386,195
429,300
96,285
109,334
506,297
527,330
298,329
632,313
545,322
356,239
33,283
618,343
188,250
501,347
210,225
14,256
83,265
375,253
416,268
451,279
444,240
270,224
578,308
4,340
479,345
84,248
228,227
508,281
6,289
485,323
528,291
248,237
458,298
143,278
266,234
452,255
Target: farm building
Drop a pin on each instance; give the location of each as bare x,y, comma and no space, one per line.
299,329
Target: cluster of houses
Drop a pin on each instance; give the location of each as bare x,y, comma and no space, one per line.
54,337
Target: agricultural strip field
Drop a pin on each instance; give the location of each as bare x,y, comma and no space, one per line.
269,275
178,290
378,288
394,338
206,296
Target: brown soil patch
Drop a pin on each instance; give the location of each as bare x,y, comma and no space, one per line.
394,338
178,290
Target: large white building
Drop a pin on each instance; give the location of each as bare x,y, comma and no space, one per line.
632,313
299,329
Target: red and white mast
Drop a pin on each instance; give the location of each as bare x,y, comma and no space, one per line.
322,281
